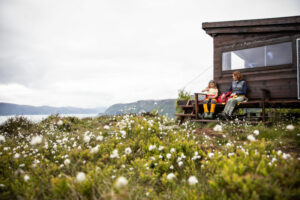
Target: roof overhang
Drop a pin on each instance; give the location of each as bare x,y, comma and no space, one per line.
282,24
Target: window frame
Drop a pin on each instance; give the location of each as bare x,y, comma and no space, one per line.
298,64
253,44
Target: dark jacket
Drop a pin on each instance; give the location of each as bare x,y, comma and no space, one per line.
238,87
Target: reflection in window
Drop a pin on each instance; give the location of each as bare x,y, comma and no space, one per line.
270,55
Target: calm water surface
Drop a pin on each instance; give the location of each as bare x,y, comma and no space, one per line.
38,118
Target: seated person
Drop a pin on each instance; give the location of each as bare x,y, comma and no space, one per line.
212,93
238,88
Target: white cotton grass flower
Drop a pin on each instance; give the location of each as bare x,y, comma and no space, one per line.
286,156
115,154
67,162
121,182
256,132
60,122
193,180
169,156
290,127
106,127
171,176
172,150
123,134
17,155
279,152
36,140
152,147
26,177
86,139
128,151
99,138
160,148
210,155
218,128
251,138
180,163
95,149
80,177
2,138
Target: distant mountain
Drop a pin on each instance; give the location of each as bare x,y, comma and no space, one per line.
164,107
15,109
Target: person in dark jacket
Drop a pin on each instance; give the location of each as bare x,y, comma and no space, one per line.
238,88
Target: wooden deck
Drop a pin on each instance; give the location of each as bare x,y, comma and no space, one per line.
192,108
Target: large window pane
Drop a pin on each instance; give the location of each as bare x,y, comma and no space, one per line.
277,54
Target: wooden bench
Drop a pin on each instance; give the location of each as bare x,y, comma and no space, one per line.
192,108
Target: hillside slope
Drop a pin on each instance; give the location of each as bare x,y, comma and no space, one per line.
164,107
15,109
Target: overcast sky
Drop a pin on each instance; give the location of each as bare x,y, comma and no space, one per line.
91,53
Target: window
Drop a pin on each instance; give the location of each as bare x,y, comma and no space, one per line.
277,54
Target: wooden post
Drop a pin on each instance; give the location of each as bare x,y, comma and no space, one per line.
196,106
263,112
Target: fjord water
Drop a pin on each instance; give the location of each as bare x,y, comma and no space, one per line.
38,118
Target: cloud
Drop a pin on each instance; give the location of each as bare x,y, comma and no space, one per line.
94,53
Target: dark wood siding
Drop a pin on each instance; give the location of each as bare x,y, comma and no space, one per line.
281,80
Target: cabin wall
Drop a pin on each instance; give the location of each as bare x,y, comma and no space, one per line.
280,81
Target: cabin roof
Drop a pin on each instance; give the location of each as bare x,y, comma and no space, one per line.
281,24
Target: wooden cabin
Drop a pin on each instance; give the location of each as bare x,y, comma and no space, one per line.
266,52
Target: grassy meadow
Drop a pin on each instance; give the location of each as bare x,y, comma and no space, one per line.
148,156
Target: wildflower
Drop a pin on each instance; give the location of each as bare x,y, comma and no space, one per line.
279,152
95,149
99,138
121,182
290,127
192,180
86,138
180,163
17,155
36,140
160,148
80,177
60,122
67,162
128,150
106,127
286,156
123,133
256,132
2,138
172,150
218,128
26,177
230,154
114,154
251,138
169,156
210,155
229,144
152,147
170,176
22,165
